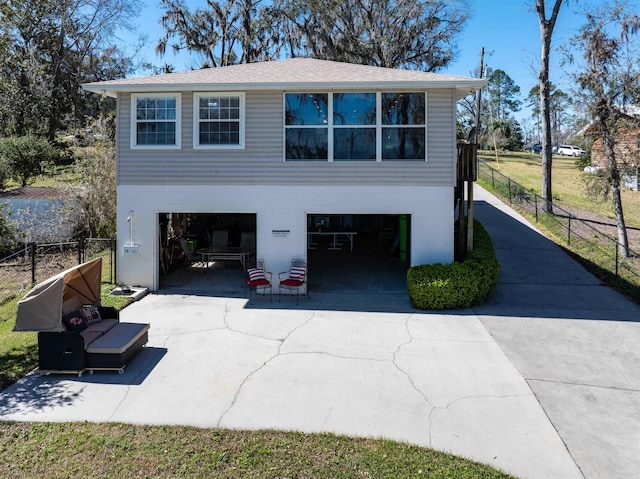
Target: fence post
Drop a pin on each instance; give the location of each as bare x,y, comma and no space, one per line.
114,255
569,232
33,263
510,190
493,181
535,198
617,256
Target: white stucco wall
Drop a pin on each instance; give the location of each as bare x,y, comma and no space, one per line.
280,208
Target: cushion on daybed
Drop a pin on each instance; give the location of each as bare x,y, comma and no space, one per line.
118,339
90,313
95,330
74,321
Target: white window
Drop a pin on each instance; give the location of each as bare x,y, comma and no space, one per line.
218,120
155,120
355,126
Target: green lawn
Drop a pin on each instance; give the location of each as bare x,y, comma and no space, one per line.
566,181
595,251
118,450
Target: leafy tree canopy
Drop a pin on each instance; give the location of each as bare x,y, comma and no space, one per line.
25,156
503,95
47,49
418,35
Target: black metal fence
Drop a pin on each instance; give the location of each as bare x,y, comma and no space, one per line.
591,239
37,262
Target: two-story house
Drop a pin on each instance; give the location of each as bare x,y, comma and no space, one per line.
285,148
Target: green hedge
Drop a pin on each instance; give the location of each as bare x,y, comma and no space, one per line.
456,285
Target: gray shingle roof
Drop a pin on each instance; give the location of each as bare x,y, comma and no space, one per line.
286,74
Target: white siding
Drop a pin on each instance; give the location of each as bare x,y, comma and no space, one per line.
261,162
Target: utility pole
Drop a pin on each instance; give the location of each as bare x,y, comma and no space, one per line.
475,159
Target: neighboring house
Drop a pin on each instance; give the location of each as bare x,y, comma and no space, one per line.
36,213
627,146
282,149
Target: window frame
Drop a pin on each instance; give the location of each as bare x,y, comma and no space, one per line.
331,126
134,121
241,120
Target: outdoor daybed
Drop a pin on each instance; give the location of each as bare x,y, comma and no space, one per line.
75,333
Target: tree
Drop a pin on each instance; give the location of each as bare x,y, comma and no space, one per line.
507,134
95,199
503,95
546,32
222,33
48,48
25,156
609,80
5,174
418,35
559,104
7,230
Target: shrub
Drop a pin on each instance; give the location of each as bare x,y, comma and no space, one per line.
456,285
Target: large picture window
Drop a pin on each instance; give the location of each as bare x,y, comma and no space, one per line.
355,126
354,122
307,126
218,120
155,121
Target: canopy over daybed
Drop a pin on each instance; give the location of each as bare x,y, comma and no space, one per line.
41,308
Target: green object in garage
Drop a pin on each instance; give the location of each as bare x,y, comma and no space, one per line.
403,237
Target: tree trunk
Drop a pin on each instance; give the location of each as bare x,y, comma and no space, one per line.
546,32
608,144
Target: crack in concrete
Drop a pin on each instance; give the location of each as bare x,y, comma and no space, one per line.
115,410
262,366
467,398
483,396
408,376
587,385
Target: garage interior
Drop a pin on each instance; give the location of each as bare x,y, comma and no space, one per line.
346,253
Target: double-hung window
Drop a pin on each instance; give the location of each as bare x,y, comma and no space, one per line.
155,121
218,120
355,126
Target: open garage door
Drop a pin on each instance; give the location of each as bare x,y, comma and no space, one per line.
367,253
183,237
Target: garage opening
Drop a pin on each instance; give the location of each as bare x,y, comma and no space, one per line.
228,239
366,253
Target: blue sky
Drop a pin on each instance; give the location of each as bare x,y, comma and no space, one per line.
507,29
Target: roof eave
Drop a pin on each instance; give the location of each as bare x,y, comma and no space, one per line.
462,88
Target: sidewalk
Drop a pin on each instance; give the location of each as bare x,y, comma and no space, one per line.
575,342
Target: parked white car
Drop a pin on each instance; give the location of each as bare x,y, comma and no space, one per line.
570,150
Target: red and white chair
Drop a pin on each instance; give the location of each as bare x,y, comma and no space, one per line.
258,278
295,279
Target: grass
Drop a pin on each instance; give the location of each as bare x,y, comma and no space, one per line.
118,450
568,187
595,252
53,177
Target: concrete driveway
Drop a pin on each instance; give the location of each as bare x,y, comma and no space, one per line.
437,380
370,365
